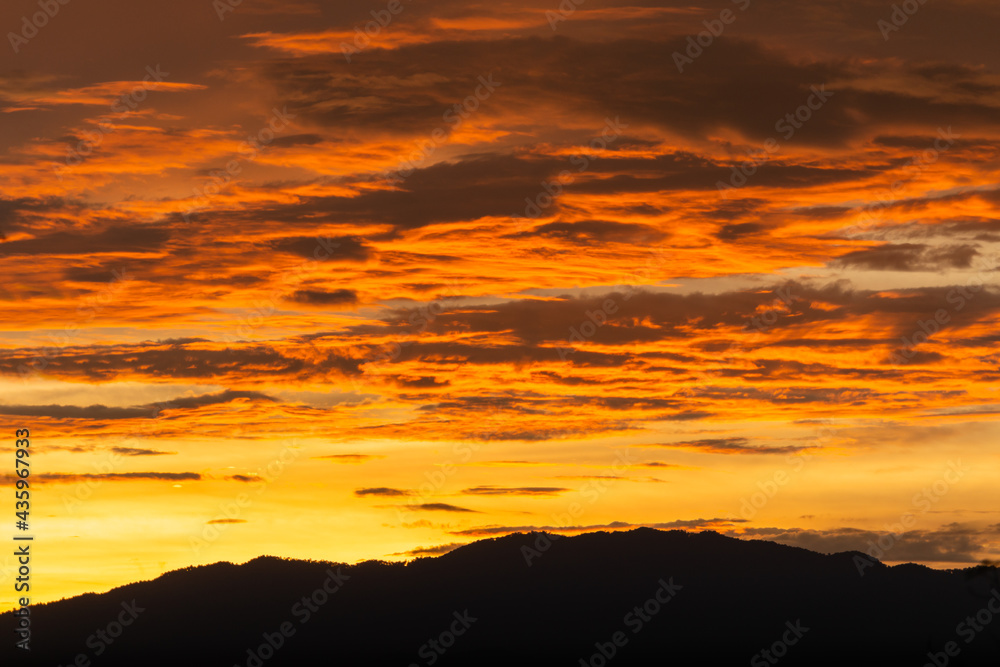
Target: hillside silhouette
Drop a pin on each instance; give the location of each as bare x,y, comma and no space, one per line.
722,601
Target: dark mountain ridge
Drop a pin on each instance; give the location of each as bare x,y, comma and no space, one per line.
643,597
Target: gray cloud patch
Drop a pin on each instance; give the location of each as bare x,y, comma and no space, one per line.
135,451
68,478
338,297
151,410
909,257
729,446
348,458
614,525
950,544
514,491
382,491
135,239
337,248
431,551
440,507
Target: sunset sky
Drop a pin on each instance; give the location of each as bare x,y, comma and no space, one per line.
275,286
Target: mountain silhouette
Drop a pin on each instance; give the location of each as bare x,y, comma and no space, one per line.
643,597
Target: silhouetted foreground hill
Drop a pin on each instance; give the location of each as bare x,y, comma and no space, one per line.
644,597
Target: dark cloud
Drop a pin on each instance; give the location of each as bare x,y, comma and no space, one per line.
497,185
100,412
74,412
788,395
382,491
18,214
440,507
688,415
950,544
431,551
336,248
551,329
134,451
737,231
696,523
120,239
597,232
424,382
570,380
87,274
485,531
629,317
349,458
296,140
729,446
514,491
912,357
460,352
910,257
920,143
227,396
338,297
505,422
177,359
739,84
469,189
68,478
